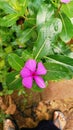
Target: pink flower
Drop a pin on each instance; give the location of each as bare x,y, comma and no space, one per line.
65,1
31,72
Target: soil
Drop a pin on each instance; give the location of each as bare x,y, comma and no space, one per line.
39,106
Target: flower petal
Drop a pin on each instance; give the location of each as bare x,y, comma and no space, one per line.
39,81
27,82
65,1
41,70
31,65
25,72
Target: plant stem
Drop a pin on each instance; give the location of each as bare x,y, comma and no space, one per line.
28,18
58,10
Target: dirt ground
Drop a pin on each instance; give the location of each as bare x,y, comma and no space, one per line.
39,106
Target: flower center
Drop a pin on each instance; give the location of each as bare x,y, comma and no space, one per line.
33,74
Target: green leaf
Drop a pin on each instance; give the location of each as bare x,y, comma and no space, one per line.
15,61
35,88
46,37
13,81
6,7
61,48
25,35
9,92
15,4
68,9
8,49
35,4
26,55
19,6
42,47
8,20
2,64
62,60
56,72
44,14
67,29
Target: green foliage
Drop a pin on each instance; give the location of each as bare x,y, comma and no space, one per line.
35,29
15,61
3,116
68,9
13,81
35,88
13,10
58,67
67,29
47,35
